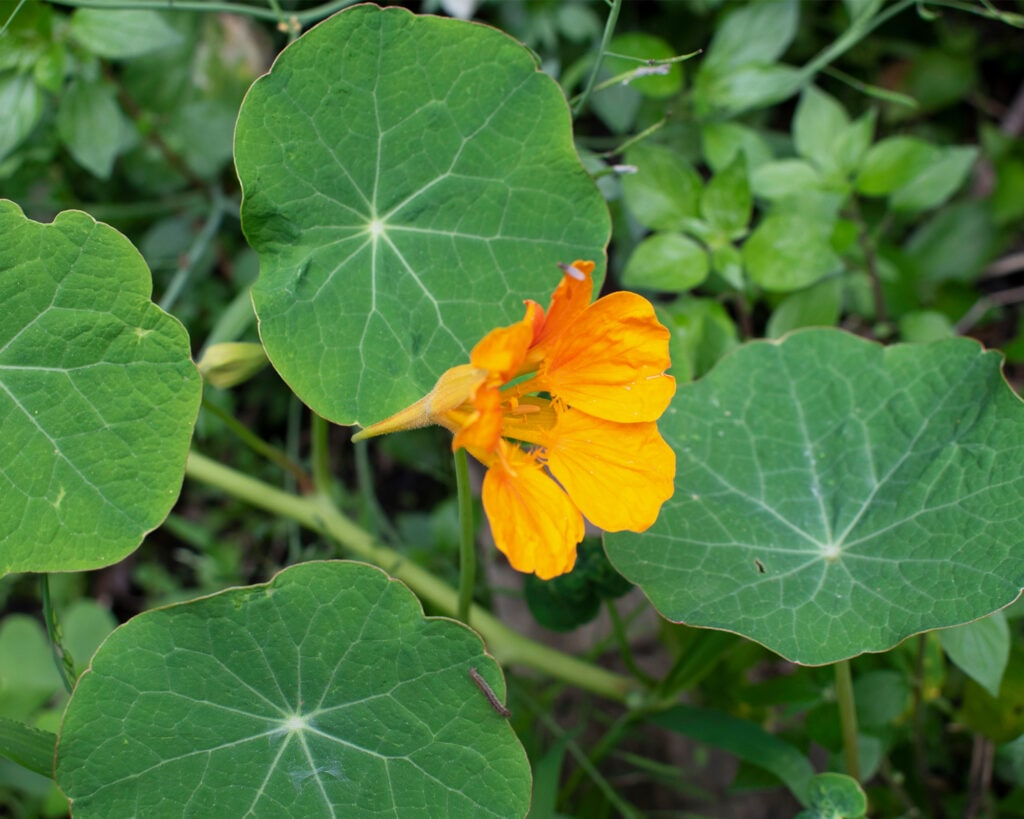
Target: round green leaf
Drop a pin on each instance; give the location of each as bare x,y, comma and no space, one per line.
835,796
407,181
98,396
834,496
324,692
666,261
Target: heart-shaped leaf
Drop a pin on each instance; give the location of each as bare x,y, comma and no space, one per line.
834,496
407,181
98,396
324,692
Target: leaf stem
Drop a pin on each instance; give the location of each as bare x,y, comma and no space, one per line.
625,652
609,28
867,246
467,539
10,18
319,514
847,717
196,252
319,432
259,446
61,658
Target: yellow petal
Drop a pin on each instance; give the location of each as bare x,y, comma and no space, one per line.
533,521
611,362
618,475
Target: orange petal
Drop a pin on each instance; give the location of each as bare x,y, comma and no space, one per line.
612,361
482,429
533,521
502,351
618,475
570,299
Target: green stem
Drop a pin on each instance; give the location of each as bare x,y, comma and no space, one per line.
847,717
319,434
609,28
258,445
633,140
587,766
61,658
196,252
623,642
11,17
609,741
303,17
467,539
319,514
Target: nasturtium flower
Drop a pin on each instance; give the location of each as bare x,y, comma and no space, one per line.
561,408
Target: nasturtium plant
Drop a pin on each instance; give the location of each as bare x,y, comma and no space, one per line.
756,491
98,396
324,692
407,182
834,496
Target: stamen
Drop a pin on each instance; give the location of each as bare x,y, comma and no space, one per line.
522,409
575,272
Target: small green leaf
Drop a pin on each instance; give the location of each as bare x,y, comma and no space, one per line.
727,263
726,204
784,178
324,692
28,746
98,396
407,182
722,141
852,144
119,34
818,124
953,244
744,88
666,261
980,649
91,125
882,696
22,104
921,326
744,740
758,32
702,332
665,190
28,676
892,163
814,306
788,251
835,796
807,469
936,183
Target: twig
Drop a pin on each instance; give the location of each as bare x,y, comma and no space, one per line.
609,28
981,775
